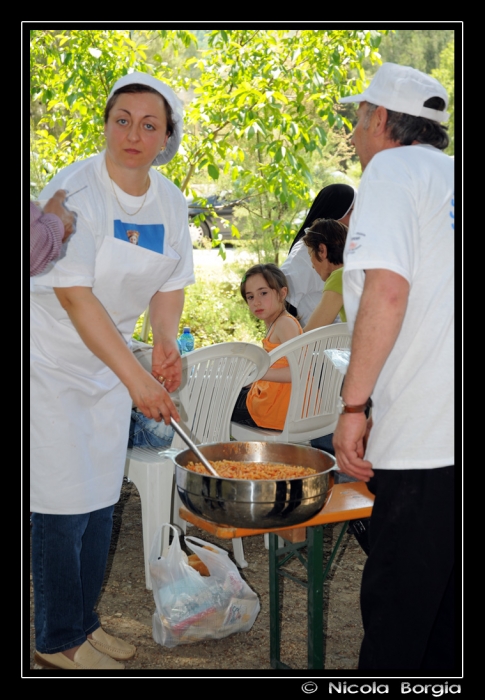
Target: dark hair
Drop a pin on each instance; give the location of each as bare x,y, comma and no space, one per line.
275,278
406,128
330,232
332,202
138,88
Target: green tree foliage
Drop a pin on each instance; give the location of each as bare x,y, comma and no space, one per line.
71,73
263,104
431,51
419,48
259,103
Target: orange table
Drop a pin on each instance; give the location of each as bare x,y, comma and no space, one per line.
345,502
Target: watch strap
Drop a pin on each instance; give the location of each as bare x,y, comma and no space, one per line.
361,408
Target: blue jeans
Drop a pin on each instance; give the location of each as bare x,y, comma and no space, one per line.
147,432
69,556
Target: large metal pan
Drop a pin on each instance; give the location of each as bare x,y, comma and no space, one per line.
255,503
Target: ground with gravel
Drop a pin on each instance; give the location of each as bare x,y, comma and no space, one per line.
126,607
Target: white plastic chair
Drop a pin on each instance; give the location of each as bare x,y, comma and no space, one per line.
315,386
212,378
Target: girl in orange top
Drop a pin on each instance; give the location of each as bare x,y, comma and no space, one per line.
264,403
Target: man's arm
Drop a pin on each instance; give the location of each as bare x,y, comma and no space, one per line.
165,312
378,323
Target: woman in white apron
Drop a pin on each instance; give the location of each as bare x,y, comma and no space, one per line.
131,249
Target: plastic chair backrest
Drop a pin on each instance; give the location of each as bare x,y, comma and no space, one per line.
315,382
212,378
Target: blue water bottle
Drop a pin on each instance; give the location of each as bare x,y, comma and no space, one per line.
186,341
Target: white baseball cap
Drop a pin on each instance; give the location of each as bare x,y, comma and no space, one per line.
403,89
174,140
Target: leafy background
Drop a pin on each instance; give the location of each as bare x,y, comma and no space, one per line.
262,123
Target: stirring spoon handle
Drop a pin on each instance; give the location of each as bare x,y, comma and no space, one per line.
193,447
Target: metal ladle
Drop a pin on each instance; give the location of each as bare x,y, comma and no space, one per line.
193,447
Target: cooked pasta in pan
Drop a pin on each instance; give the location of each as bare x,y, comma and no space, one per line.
252,470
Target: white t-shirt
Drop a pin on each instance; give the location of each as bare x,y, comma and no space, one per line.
305,285
162,224
403,221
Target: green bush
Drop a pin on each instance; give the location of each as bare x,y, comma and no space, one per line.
215,310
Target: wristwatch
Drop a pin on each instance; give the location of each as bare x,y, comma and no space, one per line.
345,408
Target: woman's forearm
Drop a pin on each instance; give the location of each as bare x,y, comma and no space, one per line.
165,312
325,312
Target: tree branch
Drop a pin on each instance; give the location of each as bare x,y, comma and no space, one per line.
251,37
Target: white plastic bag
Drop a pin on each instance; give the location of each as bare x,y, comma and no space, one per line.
191,607
340,358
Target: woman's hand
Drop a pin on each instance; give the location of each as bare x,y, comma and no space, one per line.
165,311
167,363
153,400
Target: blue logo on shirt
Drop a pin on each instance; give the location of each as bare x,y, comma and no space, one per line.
452,212
149,236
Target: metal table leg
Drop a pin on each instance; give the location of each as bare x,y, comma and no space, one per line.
316,576
274,604
316,640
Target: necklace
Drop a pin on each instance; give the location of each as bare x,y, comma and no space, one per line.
121,206
273,322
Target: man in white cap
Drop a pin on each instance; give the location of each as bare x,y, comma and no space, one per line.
398,295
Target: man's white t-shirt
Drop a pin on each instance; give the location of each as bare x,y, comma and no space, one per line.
403,221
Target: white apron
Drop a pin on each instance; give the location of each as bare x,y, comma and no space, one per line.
80,411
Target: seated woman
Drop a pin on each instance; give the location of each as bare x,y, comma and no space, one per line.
325,241
264,403
304,284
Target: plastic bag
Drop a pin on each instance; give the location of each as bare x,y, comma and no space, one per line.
190,607
340,358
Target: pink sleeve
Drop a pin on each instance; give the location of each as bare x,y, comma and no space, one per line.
46,234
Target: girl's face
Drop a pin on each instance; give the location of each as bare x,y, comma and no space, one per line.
264,302
136,130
